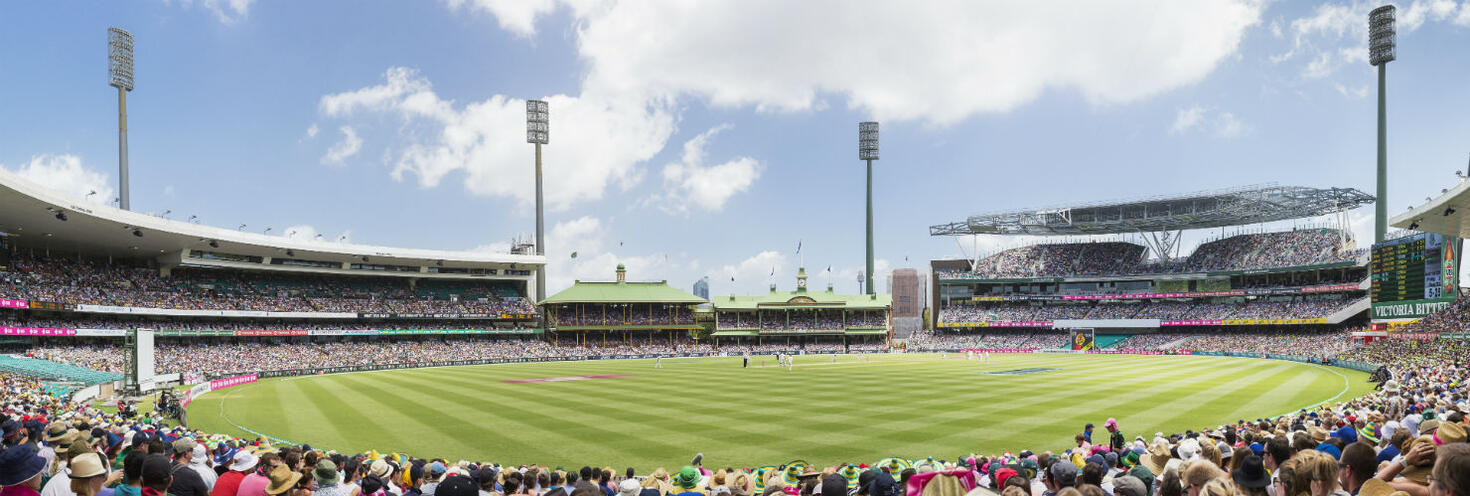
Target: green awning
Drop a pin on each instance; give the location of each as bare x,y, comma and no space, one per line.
725,334
867,331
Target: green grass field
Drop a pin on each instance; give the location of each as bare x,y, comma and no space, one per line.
824,412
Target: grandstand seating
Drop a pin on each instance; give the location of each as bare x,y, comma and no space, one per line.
1241,252
55,370
98,282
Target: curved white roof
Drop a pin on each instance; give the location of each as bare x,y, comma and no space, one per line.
29,213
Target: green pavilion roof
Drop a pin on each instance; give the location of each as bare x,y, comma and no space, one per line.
622,292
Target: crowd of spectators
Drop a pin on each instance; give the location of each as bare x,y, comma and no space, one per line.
247,324
991,339
1239,252
1058,260
1284,308
220,358
624,314
801,321
1410,436
224,358
98,282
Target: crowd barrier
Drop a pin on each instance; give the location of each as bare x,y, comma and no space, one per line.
215,385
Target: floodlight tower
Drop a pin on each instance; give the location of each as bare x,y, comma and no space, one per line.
120,76
538,131
1381,44
868,151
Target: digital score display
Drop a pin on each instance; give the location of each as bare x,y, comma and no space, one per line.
1412,268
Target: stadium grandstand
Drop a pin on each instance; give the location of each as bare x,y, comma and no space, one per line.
801,317
142,356
618,312
1306,276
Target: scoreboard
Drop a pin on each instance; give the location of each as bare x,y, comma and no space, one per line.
1410,272
1402,269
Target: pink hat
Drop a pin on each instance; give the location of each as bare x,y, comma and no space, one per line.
1111,423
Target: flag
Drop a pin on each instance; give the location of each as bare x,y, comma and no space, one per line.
773,272
574,254
829,268
798,247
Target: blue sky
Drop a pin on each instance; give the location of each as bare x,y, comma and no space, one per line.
707,139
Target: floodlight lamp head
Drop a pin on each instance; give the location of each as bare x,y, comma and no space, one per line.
120,59
867,141
1381,35
538,128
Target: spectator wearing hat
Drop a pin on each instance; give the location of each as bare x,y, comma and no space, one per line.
432,478
1129,486
1116,442
1061,475
20,471
52,435
686,483
199,462
186,481
329,480
87,474
1251,478
255,482
453,485
283,479
229,483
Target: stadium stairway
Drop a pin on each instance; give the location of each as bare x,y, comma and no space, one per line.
1106,341
1176,343
1349,311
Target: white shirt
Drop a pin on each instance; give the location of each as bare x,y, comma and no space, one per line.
60,484
205,473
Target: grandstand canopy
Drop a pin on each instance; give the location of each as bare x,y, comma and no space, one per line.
1203,210
42,219
1447,214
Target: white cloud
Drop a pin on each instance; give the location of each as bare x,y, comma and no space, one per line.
1335,35
596,259
516,16
754,274
227,11
1187,119
688,183
1359,92
311,131
1224,125
941,59
1228,126
344,149
934,61
605,139
66,174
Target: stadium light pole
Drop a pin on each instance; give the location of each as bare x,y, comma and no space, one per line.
120,76
538,132
868,151
1381,45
